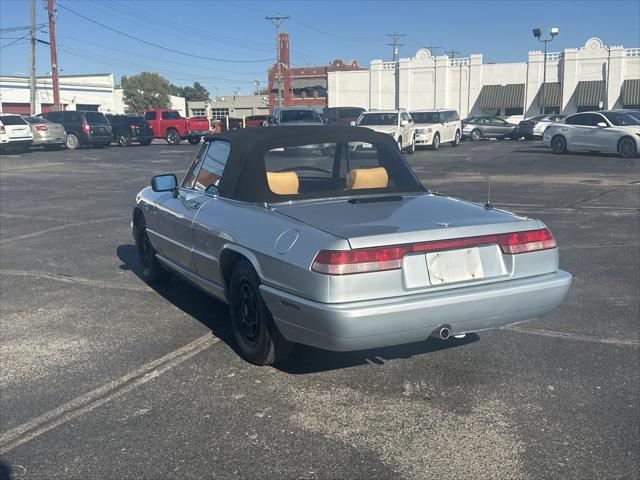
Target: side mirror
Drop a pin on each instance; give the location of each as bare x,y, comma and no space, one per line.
404,123
165,183
352,123
601,125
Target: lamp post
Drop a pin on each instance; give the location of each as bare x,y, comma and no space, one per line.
537,33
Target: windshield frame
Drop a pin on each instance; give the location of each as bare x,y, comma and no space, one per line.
361,122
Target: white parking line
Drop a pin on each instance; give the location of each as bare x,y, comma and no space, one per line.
77,280
61,227
89,401
572,336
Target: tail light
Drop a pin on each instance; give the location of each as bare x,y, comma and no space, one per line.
86,128
2,129
133,126
345,262
41,128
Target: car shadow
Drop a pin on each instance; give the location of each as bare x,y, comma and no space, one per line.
304,359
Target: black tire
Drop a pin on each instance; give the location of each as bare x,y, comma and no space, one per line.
194,140
456,139
400,143
124,139
476,135
258,339
152,271
412,148
72,142
172,137
559,144
627,147
435,143
146,143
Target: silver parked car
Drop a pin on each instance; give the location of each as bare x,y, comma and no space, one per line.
46,134
324,236
603,131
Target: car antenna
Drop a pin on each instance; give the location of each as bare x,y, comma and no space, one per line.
489,204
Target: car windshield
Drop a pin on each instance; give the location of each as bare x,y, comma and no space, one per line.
379,119
620,119
425,117
338,170
12,120
292,116
350,112
96,118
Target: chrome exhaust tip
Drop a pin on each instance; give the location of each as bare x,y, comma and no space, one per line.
444,333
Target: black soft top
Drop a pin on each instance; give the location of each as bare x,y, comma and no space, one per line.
244,175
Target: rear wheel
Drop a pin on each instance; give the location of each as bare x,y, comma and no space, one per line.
435,143
476,135
194,140
559,144
259,340
72,142
124,139
173,137
152,271
627,147
456,139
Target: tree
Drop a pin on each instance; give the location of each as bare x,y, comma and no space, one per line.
263,91
145,91
197,93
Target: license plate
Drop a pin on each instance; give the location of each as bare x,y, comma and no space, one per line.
452,266
367,146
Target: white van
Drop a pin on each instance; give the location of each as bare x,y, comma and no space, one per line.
437,126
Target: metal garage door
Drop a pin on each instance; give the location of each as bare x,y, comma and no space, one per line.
19,108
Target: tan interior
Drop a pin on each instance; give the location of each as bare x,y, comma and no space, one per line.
283,183
367,178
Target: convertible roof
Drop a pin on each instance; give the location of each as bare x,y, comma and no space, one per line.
244,175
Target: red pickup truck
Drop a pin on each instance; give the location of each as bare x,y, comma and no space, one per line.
168,124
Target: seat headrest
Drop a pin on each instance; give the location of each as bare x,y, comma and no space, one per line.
367,178
283,183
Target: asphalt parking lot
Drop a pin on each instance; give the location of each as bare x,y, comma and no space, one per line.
105,377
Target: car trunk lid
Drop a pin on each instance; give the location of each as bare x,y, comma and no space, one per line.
394,220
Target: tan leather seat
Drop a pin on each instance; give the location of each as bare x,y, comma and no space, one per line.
283,183
367,178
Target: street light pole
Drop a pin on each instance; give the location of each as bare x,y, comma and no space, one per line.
537,33
277,20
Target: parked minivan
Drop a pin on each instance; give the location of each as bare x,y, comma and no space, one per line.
83,128
437,126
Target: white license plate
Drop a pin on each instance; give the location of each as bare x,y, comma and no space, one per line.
367,146
452,266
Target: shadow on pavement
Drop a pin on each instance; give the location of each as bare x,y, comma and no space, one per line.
215,315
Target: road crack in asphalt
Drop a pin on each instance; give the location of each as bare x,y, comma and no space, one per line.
59,277
102,395
61,227
572,336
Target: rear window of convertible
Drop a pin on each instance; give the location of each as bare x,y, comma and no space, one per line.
338,169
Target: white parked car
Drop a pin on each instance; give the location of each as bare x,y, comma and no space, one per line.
604,131
15,134
437,126
397,123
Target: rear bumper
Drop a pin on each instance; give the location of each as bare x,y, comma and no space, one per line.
195,133
50,140
380,323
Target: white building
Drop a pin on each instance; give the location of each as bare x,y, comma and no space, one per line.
233,106
593,76
77,92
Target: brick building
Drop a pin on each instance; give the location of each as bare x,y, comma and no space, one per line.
302,85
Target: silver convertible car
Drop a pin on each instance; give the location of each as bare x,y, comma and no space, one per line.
324,236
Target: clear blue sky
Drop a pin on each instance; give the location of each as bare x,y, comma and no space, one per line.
320,32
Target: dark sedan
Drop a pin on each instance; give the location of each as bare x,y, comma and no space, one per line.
477,128
128,129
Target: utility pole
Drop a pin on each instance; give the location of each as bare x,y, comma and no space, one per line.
32,71
431,48
257,82
451,53
277,20
396,64
54,53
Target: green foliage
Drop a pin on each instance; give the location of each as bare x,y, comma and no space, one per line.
145,91
197,93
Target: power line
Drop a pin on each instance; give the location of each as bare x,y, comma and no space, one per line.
146,42
15,41
15,29
452,53
277,21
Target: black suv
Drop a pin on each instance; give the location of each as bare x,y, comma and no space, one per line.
83,128
128,129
